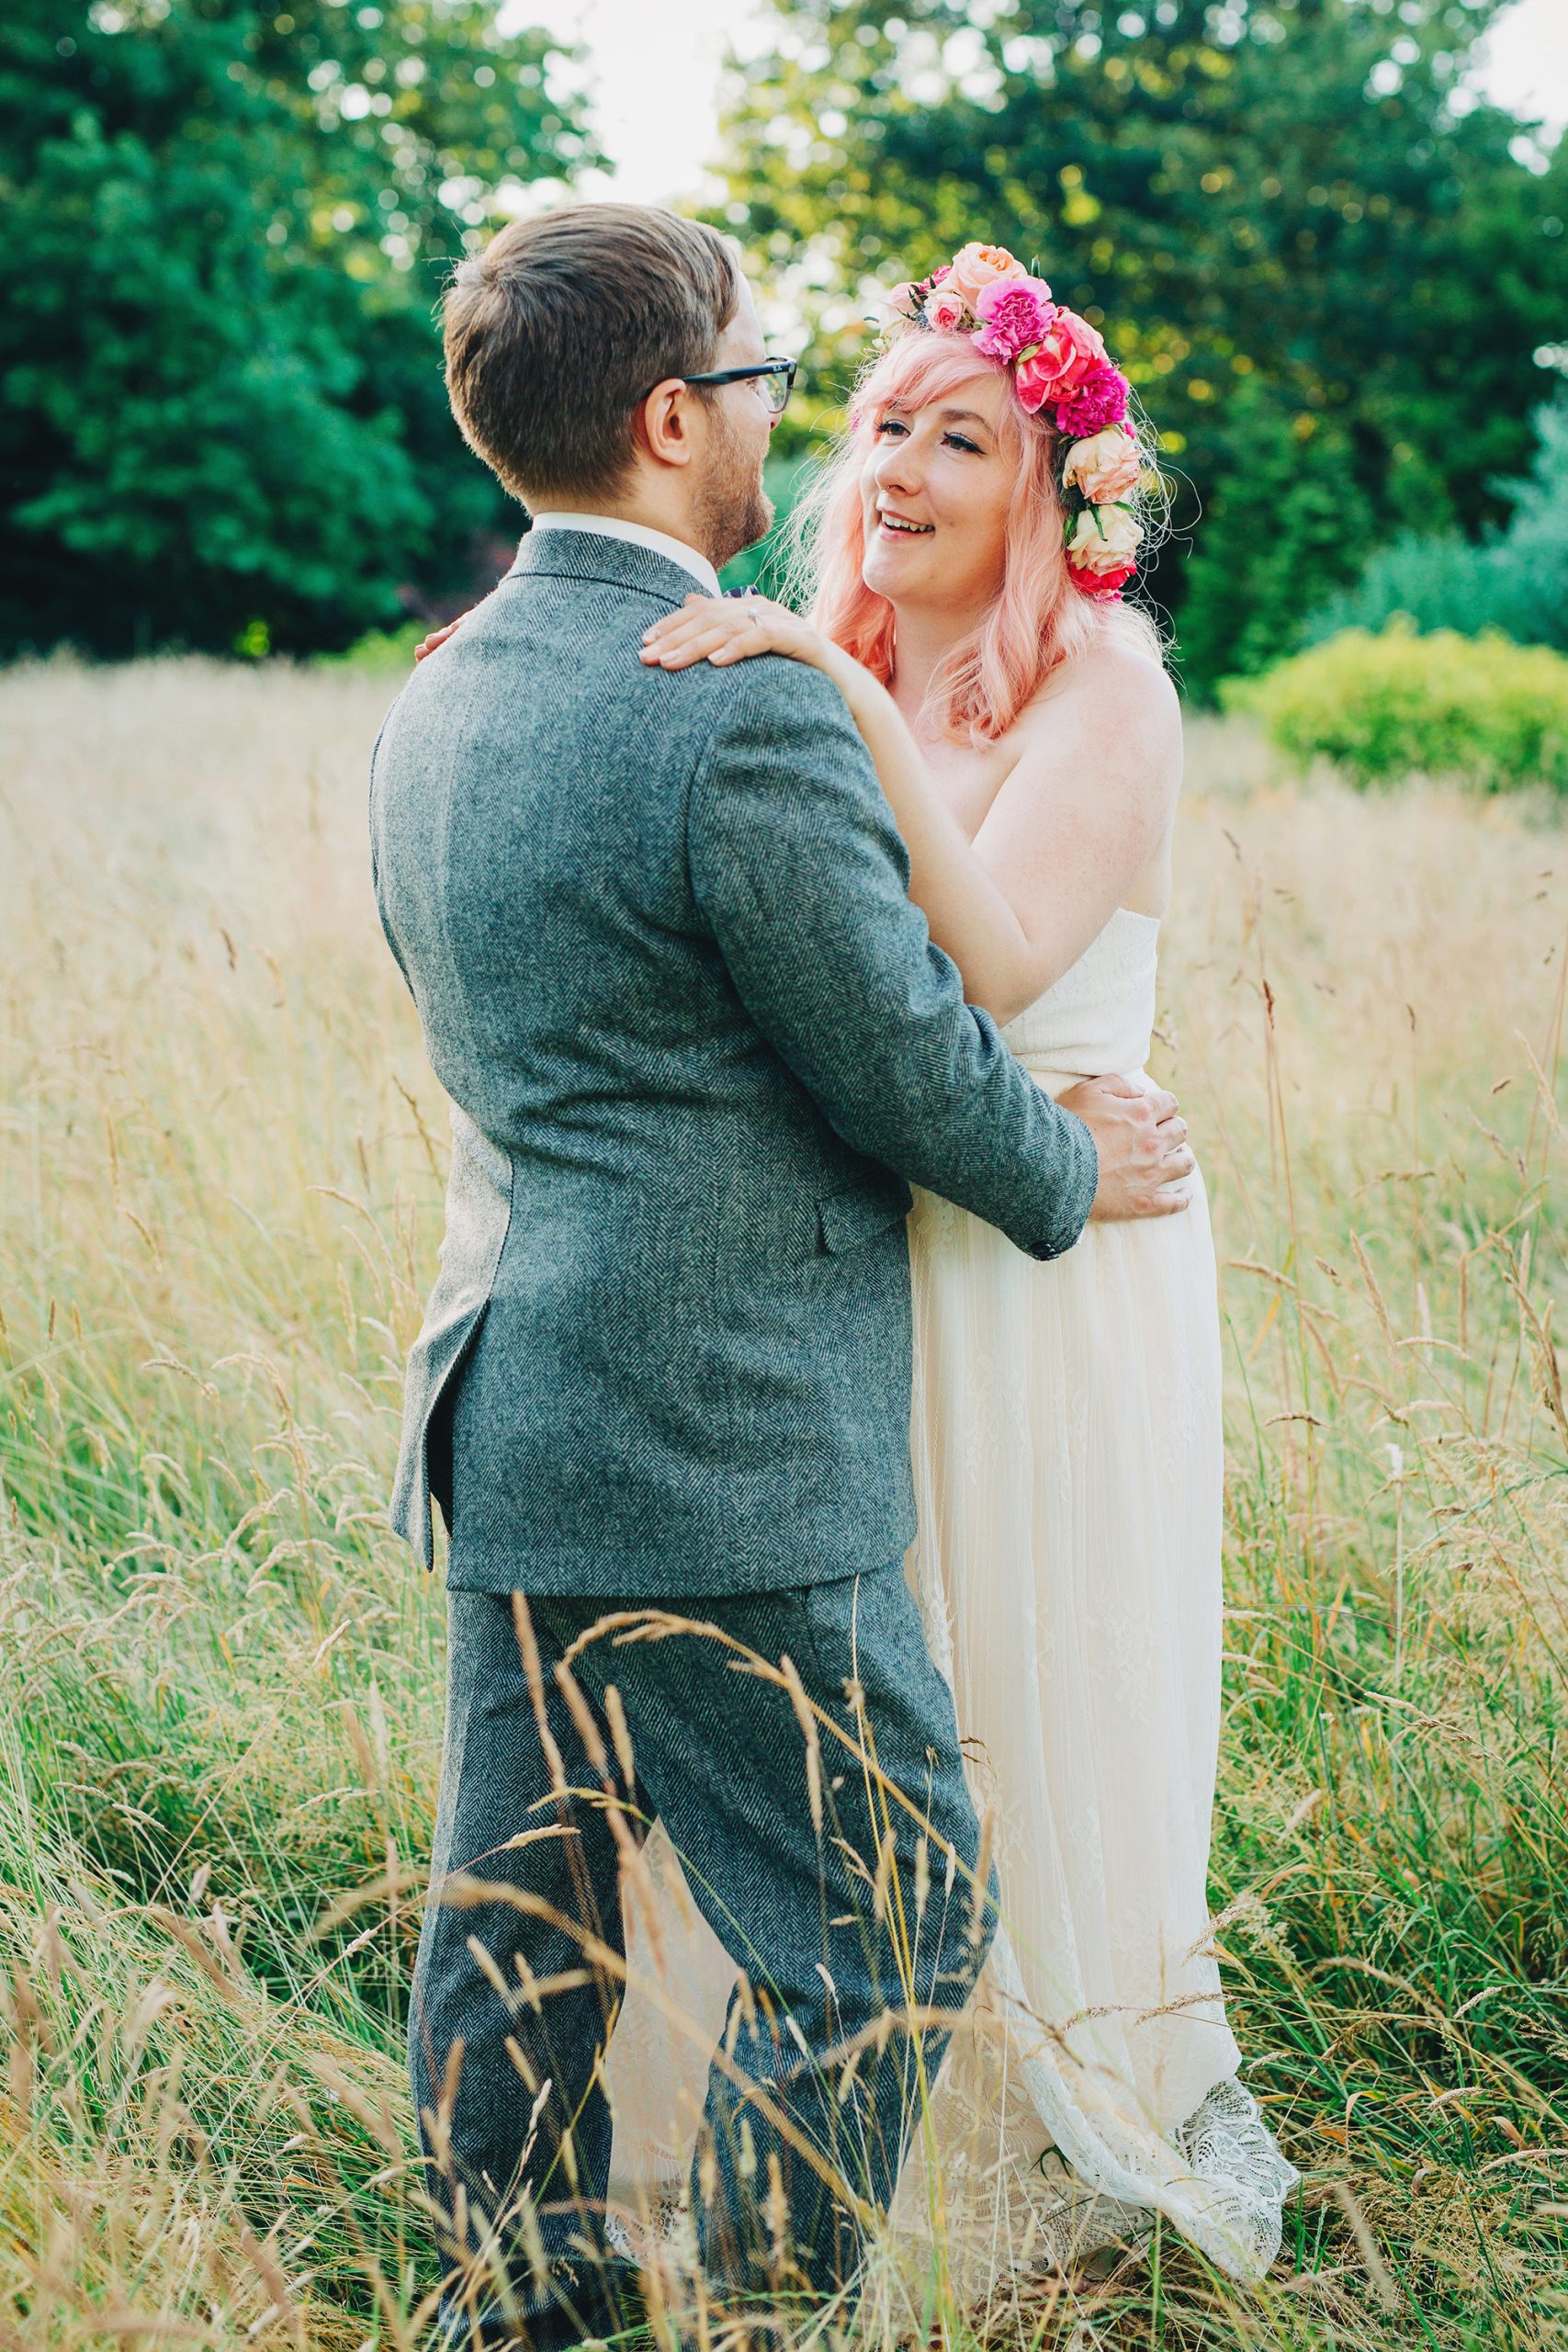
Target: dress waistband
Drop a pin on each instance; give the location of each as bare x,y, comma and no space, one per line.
1059,1082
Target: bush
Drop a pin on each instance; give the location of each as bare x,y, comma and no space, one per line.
1390,705
381,651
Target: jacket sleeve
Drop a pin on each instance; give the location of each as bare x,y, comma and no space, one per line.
798,867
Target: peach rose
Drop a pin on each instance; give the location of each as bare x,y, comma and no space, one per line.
1107,466
1105,539
978,266
944,308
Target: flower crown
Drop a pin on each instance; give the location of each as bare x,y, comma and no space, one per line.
1059,361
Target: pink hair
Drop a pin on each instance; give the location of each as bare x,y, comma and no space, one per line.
1039,621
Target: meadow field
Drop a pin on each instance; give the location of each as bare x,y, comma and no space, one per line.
222,1161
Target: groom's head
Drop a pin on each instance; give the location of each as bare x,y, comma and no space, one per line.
569,341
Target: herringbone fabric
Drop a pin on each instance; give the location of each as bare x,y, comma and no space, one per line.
696,1038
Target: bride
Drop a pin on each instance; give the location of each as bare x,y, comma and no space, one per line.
969,543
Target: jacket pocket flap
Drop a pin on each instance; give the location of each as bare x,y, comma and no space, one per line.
847,1218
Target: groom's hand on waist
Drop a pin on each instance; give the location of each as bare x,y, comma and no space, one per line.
1145,1167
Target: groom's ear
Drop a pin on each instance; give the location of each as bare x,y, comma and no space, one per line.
662,425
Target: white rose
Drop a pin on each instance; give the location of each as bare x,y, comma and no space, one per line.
1105,539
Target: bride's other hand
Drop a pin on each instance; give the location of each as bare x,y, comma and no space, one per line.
729,628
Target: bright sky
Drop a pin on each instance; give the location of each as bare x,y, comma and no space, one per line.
655,64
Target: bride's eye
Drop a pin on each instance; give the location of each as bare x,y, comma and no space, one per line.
959,442
890,425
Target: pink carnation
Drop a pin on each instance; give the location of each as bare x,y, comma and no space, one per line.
1013,313
1098,399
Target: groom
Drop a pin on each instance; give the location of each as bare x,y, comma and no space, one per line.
696,1038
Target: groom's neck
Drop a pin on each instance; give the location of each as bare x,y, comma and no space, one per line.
646,509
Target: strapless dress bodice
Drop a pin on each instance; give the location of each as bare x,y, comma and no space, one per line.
1098,1021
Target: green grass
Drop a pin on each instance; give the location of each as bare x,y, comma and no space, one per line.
221,1157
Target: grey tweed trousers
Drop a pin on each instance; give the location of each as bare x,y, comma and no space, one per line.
803,1852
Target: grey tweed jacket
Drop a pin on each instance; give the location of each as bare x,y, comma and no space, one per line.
696,1038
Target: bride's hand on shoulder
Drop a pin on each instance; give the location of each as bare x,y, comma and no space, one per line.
721,630
437,637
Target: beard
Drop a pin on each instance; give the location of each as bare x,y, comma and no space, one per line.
734,511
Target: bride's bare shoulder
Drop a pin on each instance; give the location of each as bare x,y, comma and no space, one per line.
1114,678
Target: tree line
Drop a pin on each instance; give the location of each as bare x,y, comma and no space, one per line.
1335,277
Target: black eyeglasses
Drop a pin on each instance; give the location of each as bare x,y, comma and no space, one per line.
775,378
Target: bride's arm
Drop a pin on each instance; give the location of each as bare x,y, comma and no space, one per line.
1076,823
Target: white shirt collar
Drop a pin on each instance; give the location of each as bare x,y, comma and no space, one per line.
637,535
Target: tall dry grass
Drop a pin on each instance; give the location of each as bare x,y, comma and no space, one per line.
220,1679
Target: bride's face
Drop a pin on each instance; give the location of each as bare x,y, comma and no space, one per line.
936,488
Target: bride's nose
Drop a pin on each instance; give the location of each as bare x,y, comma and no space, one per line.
897,468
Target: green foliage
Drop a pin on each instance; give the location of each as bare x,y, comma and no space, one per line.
1276,517
1484,709
1280,197
221,401
1514,581
380,652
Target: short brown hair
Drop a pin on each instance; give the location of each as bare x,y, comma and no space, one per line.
556,330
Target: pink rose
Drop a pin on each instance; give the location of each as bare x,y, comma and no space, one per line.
937,275
1070,348
1105,467
944,308
978,267
1098,399
1013,313
1033,381
905,298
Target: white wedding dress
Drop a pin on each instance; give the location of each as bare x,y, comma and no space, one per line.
1066,1446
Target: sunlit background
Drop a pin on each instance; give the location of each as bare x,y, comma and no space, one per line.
653,75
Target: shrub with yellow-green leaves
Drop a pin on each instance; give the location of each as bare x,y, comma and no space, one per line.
1396,703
